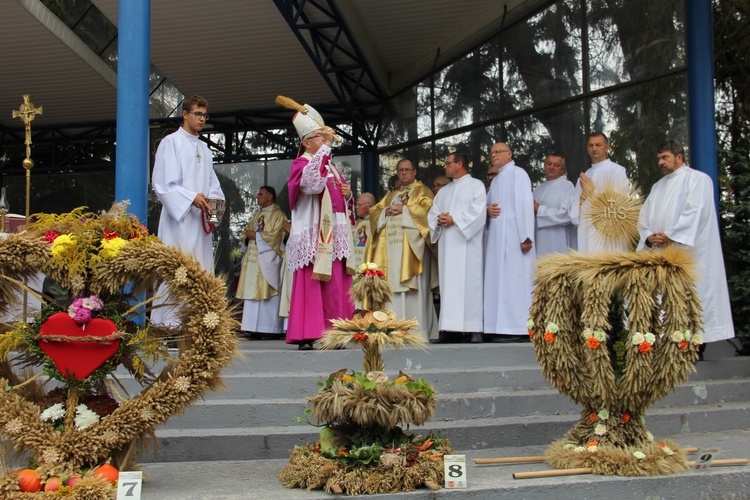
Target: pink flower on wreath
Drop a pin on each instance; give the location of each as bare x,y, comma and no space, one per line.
82,315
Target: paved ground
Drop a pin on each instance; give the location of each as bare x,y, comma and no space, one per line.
258,479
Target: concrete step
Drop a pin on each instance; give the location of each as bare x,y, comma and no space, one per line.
230,412
257,479
251,443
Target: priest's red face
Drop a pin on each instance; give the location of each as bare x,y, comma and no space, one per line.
554,167
264,198
668,162
598,148
406,172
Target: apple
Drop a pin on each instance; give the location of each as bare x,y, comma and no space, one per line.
53,484
72,480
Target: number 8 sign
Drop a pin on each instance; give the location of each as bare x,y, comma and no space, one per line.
455,471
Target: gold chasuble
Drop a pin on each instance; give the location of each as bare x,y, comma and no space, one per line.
254,279
398,231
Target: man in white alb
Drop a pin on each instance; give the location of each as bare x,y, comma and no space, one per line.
509,256
680,211
456,220
184,180
603,174
552,200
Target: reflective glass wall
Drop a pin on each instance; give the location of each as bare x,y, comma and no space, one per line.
544,83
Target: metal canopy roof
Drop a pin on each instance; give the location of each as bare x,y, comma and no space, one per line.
240,54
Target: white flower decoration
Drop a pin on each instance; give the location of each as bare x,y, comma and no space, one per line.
377,376
530,324
600,429
51,455
677,337
650,338
587,333
579,449
85,417
363,267
54,412
639,455
110,437
182,384
552,327
592,449
638,338
181,275
14,426
696,339
667,450
603,414
211,320
600,335
569,446
649,436
372,265
77,283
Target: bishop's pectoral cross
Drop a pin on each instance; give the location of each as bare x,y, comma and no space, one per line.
26,112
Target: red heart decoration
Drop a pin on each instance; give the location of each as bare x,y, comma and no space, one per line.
78,359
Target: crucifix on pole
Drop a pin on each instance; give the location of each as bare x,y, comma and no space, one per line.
27,112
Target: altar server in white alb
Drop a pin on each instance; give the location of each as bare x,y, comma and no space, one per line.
552,201
510,256
680,211
456,220
184,180
260,277
604,174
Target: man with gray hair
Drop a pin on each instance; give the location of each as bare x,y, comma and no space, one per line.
552,199
680,211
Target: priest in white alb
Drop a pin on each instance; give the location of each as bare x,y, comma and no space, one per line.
680,211
604,175
457,218
552,201
260,277
509,256
184,179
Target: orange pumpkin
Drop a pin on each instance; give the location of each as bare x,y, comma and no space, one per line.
29,481
107,472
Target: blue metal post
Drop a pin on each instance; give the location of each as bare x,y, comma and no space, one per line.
370,173
132,152
700,50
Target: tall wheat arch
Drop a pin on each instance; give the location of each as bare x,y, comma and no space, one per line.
571,306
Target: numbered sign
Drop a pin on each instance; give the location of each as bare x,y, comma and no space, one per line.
455,471
129,485
705,457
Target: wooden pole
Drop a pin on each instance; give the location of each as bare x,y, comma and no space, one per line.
540,458
588,470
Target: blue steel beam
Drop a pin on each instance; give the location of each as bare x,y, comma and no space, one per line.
700,52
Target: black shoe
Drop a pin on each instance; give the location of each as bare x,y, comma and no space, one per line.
305,346
506,339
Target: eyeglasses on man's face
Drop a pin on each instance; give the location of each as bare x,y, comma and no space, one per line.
199,114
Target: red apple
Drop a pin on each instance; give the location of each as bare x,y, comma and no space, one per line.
72,480
53,484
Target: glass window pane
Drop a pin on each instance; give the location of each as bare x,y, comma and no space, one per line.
468,91
634,40
421,154
401,125
542,57
96,30
638,119
559,130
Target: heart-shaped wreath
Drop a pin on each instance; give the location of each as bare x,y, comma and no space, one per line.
102,261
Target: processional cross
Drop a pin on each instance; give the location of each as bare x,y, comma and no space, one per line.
26,112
